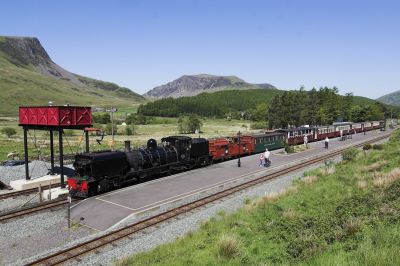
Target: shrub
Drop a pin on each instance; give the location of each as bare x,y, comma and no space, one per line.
8,131
258,125
128,131
349,154
377,147
102,118
367,147
228,247
288,148
108,129
189,124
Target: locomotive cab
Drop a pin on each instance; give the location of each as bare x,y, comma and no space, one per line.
182,145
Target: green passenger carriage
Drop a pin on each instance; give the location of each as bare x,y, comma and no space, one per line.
271,141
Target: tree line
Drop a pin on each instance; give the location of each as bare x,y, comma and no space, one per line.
320,107
246,104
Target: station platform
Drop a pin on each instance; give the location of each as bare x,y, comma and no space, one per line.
43,181
137,202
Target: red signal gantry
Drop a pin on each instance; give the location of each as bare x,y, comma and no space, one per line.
54,118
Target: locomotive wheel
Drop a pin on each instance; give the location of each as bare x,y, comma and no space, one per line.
102,186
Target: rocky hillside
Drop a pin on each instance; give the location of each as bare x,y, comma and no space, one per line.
28,76
196,84
391,98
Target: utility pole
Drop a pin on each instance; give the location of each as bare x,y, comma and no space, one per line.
69,200
239,164
112,110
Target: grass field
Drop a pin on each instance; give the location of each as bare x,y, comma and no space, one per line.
342,214
73,142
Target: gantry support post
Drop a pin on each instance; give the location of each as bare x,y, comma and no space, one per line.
51,152
60,143
87,140
27,177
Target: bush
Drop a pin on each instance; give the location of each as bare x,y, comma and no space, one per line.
350,154
130,130
228,247
189,124
8,131
288,148
377,147
102,118
258,125
108,130
367,147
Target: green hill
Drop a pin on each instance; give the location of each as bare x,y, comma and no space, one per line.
29,77
217,104
391,98
251,103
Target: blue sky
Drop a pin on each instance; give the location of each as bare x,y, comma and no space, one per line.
354,45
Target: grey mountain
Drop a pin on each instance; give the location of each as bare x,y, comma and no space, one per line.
191,85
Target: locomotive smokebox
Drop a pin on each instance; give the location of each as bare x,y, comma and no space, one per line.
127,146
151,144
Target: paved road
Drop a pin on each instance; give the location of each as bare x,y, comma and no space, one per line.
106,210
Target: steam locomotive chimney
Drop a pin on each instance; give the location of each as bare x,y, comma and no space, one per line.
127,146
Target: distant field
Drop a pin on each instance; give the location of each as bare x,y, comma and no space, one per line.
74,140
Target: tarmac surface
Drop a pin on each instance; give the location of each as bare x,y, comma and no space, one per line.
108,210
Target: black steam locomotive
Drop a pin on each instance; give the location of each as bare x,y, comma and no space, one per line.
98,172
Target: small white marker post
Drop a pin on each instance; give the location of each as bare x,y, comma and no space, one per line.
69,211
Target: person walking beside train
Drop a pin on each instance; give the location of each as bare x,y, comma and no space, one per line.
262,160
266,158
326,142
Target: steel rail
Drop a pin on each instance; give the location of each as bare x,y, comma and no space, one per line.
29,210
109,238
28,191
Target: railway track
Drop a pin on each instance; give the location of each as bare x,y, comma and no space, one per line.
39,207
18,193
109,238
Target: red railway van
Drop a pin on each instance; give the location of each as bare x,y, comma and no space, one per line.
227,148
64,116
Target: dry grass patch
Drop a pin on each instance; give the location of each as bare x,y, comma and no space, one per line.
269,198
381,180
352,225
290,214
362,184
310,179
374,167
327,170
228,247
388,210
359,177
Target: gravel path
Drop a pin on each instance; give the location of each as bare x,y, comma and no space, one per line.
36,169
